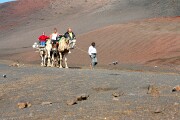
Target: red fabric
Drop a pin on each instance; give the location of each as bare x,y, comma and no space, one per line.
43,38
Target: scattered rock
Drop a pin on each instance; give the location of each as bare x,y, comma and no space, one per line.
14,65
153,90
158,110
71,102
82,97
23,105
114,63
4,76
117,94
176,104
46,103
177,88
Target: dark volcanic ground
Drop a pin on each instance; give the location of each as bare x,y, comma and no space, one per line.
38,84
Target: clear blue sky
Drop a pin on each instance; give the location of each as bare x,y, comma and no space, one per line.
2,1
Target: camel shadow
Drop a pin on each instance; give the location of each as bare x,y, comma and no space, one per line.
75,67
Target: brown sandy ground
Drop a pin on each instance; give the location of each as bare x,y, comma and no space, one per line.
116,26
152,42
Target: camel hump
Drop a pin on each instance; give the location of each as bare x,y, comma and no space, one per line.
63,44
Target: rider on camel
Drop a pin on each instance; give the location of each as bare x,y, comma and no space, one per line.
54,36
42,39
72,38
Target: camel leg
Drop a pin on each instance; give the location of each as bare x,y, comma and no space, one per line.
41,60
61,58
58,60
45,58
44,61
49,61
65,61
53,60
41,56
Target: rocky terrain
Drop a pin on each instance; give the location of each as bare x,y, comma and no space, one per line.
51,94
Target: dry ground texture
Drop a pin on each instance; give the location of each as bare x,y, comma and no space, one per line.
48,90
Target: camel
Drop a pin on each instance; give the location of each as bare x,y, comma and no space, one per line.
42,52
63,49
43,55
48,49
55,55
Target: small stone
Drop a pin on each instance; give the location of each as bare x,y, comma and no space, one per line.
117,94
15,65
177,88
46,103
158,110
71,102
176,104
153,90
4,76
23,105
29,104
82,97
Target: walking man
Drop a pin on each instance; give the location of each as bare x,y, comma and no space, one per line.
93,55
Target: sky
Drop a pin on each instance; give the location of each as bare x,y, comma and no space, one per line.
2,1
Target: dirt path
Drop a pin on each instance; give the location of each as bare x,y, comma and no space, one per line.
38,84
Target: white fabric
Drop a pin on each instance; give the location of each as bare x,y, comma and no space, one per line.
72,43
92,50
54,36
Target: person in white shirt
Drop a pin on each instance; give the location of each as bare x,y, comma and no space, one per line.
93,54
54,36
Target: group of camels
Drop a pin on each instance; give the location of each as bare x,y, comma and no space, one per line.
52,54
